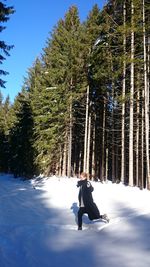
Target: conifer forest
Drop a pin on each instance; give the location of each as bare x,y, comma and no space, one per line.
84,104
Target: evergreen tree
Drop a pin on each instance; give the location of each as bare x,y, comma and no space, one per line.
61,83
4,134
74,111
5,12
47,125
21,156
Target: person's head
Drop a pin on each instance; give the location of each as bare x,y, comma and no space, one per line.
83,176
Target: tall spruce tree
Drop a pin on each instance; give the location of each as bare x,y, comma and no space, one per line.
21,155
5,122
102,81
5,12
46,106
64,68
92,32
85,80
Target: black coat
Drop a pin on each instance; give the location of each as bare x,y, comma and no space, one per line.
86,190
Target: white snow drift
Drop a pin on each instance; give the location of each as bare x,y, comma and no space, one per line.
38,225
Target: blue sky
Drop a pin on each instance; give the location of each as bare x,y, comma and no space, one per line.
28,29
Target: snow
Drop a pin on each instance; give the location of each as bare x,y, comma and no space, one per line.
38,225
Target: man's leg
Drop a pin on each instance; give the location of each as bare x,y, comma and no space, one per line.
81,211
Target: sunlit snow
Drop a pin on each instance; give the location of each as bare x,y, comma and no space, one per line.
38,225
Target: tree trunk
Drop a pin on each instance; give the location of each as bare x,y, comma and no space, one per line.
146,103
88,145
137,134
113,137
123,98
86,132
141,144
60,163
106,169
93,151
131,99
103,143
64,168
70,141
148,63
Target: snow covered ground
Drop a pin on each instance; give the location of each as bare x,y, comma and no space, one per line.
38,225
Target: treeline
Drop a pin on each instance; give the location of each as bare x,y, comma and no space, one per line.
84,105
5,12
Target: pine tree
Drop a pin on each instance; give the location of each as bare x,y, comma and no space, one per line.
5,118
5,12
48,117
103,82
64,65
90,36
78,98
21,154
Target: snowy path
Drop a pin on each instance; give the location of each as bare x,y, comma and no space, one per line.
38,228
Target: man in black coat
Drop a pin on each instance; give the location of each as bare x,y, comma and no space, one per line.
86,203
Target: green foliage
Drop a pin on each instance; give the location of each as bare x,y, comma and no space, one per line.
5,118
5,12
50,112
21,138
60,83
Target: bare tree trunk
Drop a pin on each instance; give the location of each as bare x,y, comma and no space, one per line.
141,141
86,132
112,121
123,97
64,168
146,103
93,152
131,99
103,143
88,145
137,135
148,63
70,142
60,163
80,163
113,137
106,169
141,178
